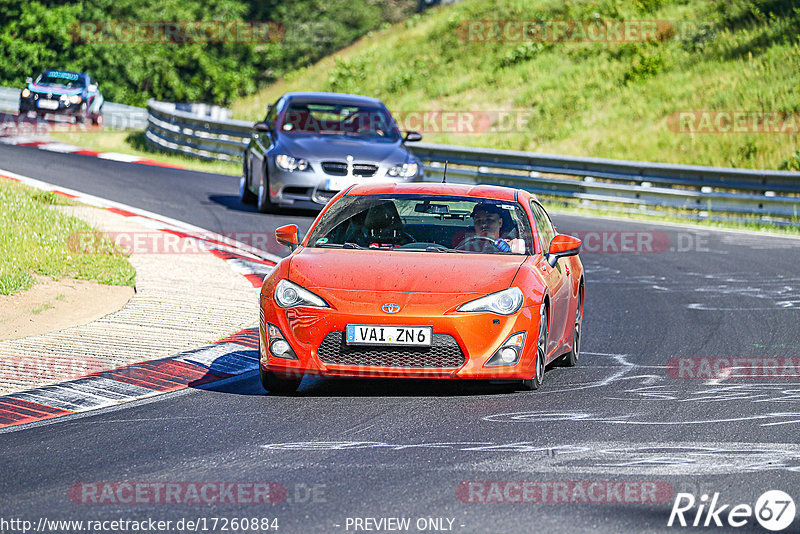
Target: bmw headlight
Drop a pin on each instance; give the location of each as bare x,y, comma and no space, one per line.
503,302
288,295
288,163
26,93
406,170
75,99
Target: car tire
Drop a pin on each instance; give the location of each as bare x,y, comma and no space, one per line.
277,385
570,359
263,201
245,195
541,351
80,117
97,119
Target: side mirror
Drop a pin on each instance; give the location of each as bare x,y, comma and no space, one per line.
28,80
261,126
287,235
93,87
562,246
412,137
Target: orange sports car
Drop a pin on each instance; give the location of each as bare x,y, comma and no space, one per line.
423,280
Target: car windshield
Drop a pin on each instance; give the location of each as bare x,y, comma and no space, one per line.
60,78
424,223
339,119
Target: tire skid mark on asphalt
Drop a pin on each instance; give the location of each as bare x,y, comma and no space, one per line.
634,418
598,457
228,357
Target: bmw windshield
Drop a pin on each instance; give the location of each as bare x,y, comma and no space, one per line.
351,120
69,80
424,223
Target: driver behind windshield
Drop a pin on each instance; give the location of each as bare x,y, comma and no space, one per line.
488,221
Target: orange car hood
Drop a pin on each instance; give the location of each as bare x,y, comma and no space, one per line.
411,272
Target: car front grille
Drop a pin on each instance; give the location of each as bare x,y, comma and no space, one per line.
335,168
365,170
339,168
444,353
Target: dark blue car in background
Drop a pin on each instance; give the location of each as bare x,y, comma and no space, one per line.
63,92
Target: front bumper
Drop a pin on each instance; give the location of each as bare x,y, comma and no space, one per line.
313,189
475,335
62,108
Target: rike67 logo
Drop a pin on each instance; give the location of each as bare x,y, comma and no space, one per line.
774,510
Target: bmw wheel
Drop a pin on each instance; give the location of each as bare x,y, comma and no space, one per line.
264,202
80,117
245,195
541,353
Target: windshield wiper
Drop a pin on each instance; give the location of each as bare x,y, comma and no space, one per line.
442,248
338,245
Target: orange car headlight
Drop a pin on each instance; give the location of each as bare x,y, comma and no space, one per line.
503,302
288,295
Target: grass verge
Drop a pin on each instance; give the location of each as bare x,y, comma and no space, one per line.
601,99
36,239
133,143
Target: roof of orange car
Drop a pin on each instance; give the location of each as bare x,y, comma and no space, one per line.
495,192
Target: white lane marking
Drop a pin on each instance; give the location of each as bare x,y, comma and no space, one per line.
116,156
19,140
59,147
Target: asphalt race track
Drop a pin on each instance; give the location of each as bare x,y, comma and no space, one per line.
605,446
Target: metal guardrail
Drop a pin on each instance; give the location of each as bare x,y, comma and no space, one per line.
169,128
638,184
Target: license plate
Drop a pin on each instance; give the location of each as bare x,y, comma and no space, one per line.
338,183
48,104
366,334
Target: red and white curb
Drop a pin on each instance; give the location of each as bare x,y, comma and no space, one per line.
65,148
228,357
